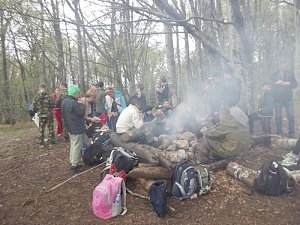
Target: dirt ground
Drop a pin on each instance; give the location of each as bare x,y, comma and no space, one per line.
27,172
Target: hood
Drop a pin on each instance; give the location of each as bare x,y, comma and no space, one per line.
118,94
239,115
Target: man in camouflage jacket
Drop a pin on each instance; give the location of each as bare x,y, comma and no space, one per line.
43,105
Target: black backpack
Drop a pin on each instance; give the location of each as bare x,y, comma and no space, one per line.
99,151
184,180
123,159
272,179
158,197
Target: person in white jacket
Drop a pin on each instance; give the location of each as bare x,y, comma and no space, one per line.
131,126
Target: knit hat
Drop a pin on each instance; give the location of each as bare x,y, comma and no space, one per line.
73,89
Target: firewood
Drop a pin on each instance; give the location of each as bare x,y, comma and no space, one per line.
246,175
219,165
145,183
145,153
150,173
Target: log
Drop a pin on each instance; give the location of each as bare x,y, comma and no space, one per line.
284,143
219,165
145,153
142,153
145,183
152,172
295,175
246,175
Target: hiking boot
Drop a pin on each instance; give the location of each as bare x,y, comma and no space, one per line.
76,169
289,159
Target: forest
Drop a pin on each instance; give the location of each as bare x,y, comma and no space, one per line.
127,42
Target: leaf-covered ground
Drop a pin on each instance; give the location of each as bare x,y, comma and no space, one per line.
27,172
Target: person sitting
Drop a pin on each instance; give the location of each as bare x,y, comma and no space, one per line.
148,115
265,110
130,125
292,158
167,108
224,140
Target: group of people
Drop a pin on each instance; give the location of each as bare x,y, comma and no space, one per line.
225,133
277,94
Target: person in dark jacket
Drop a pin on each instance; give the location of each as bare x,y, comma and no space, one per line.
265,110
74,118
43,105
141,96
283,83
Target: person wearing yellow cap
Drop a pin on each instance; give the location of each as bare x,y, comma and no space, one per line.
74,118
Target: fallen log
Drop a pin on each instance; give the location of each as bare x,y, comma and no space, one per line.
284,143
244,174
219,165
247,175
145,183
145,153
150,173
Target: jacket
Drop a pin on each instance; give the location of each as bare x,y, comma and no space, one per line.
120,100
265,107
229,137
73,115
100,100
283,93
130,118
43,105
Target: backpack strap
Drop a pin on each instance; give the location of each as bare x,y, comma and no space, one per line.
181,189
124,198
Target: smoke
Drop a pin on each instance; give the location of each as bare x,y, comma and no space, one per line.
186,115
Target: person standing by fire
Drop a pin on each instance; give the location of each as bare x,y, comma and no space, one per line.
283,83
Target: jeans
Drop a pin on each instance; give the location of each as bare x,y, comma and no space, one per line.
296,149
265,122
289,108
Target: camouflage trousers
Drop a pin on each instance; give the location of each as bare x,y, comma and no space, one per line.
43,122
208,150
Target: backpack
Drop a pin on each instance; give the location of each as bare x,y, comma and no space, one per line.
205,180
272,179
123,159
96,153
184,180
158,197
107,201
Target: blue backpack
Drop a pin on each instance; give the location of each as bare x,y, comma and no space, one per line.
184,180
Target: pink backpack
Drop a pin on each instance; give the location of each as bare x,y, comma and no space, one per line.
105,202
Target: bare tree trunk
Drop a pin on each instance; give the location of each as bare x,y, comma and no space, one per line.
79,25
42,76
58,40
246,53
297,44
171,65
6,86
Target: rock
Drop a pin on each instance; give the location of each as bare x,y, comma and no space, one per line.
176,156
172,147
182,144
189,136
164,144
